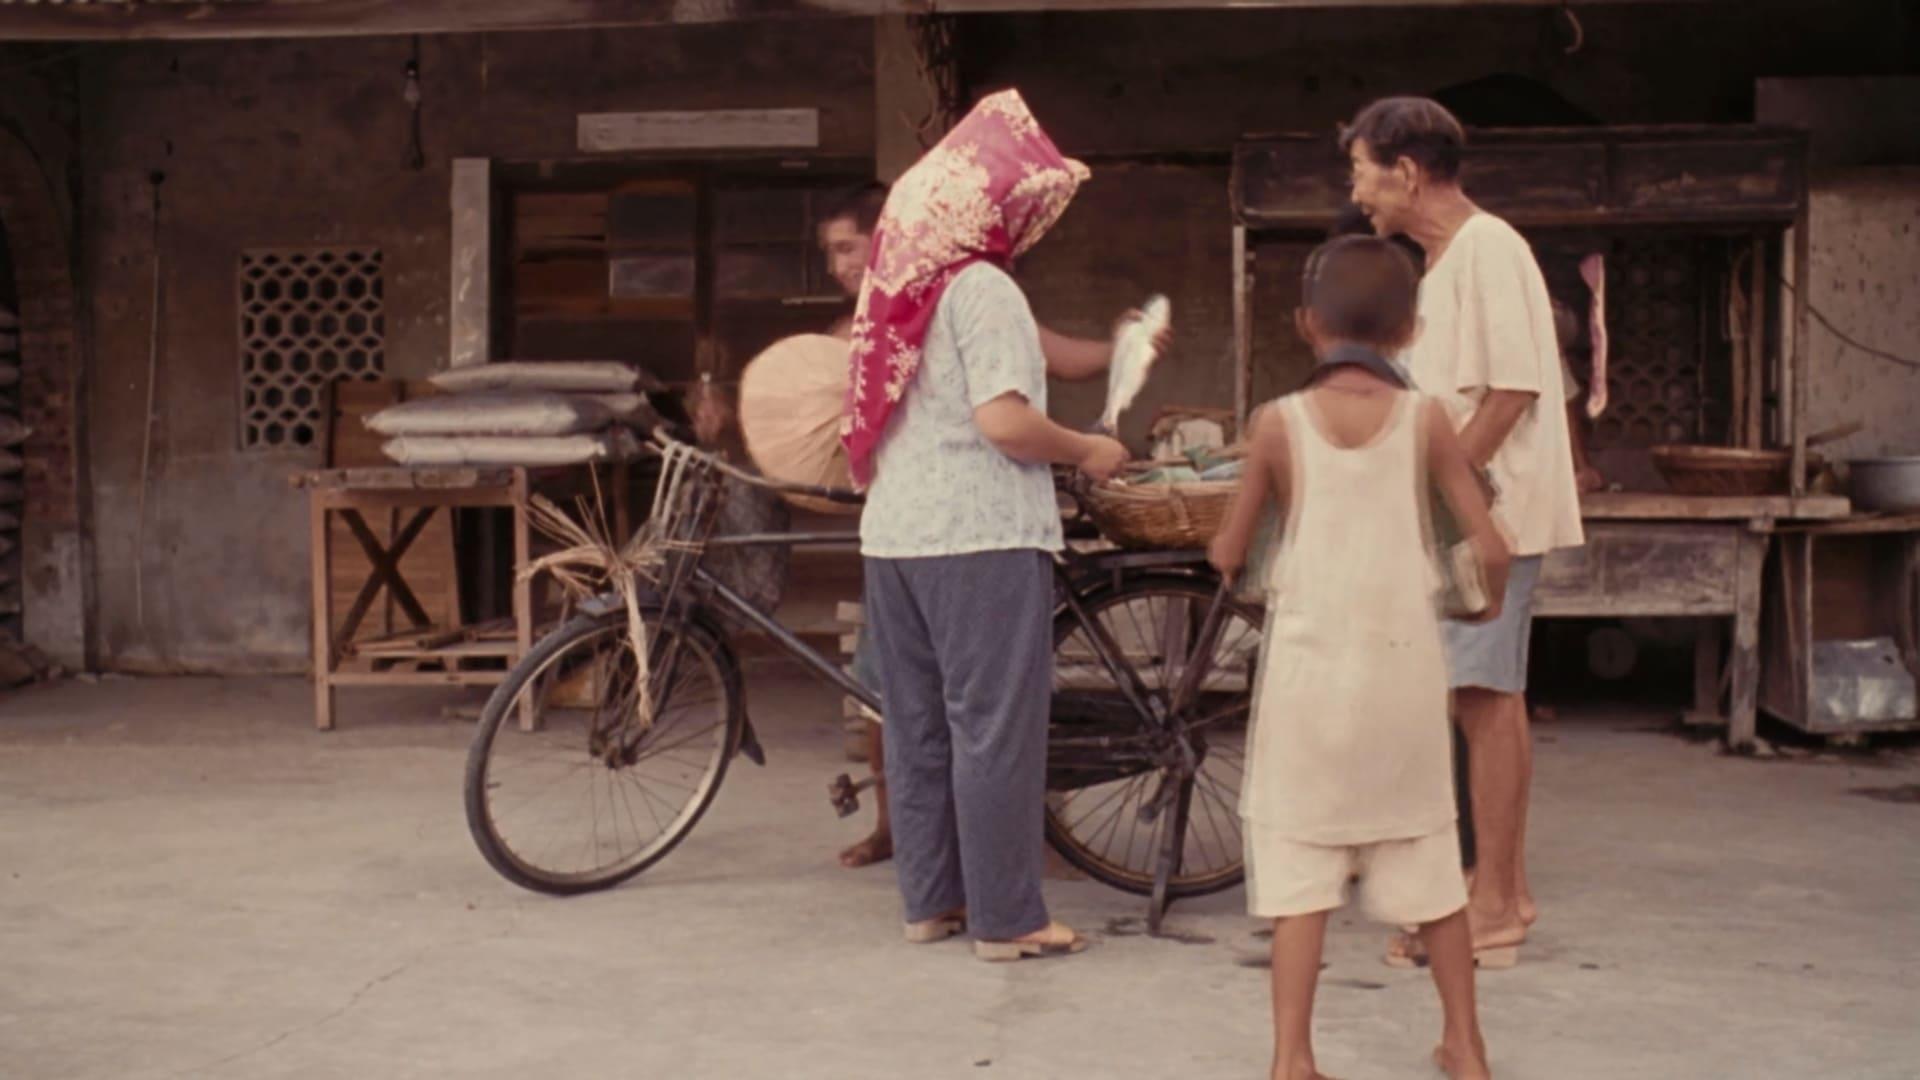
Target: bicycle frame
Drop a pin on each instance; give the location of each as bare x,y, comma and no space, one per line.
1072,573
685,585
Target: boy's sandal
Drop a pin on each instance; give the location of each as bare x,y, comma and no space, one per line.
1056,940
1408,951
938,928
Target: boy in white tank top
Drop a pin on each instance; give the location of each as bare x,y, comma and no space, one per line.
1350,772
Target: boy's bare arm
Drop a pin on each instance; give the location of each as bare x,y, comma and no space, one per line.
1263,475
1461,488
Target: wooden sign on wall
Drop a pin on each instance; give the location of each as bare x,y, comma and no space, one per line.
715,129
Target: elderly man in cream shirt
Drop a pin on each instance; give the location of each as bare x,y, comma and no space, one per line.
1487,349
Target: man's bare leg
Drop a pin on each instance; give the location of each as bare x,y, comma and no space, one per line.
878,847
1449,943
1297,943
1498,761
1523,892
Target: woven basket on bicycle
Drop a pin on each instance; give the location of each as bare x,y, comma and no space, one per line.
1166,515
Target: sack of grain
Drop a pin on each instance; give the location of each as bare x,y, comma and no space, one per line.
492,414
561,376
530,451
633,410
791,399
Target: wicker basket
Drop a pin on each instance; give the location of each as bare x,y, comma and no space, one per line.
1723,470
1160,515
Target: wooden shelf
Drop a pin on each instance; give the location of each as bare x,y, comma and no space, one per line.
1663,506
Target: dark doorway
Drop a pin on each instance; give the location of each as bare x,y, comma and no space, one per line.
13,496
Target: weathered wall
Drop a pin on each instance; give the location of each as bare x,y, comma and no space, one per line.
1195,82
1865,236
301,143
270,144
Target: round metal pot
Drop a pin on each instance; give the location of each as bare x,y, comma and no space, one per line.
1885,483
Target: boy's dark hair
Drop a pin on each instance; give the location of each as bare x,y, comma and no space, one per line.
1411,127
862,205
1361,288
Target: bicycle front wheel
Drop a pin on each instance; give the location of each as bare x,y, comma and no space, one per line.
1110,796
594,794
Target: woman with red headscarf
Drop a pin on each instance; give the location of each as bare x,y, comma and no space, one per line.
946,426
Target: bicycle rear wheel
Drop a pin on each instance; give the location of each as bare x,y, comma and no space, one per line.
1110,794
591,797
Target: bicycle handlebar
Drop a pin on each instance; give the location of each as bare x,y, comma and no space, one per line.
660,444
1066,480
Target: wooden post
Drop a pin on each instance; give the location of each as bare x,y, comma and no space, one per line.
322,613
1797,362
523,596
900,98
1756,373
1742,708
1706,677
469,314
1242,331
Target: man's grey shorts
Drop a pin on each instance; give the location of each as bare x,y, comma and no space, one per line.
1493,656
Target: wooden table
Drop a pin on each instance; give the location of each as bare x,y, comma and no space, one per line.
1682,556
1848,579
352,493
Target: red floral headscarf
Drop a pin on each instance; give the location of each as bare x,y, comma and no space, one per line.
989,191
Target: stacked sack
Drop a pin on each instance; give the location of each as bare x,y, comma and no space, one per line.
527,413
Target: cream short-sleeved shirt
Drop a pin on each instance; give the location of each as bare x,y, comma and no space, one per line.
1486,323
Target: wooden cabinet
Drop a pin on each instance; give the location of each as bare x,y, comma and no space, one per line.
1548,177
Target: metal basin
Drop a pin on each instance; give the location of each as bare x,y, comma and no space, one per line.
1886,483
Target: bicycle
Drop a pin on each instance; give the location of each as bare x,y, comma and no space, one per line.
1154,665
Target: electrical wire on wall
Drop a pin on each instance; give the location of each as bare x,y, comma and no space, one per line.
1845,338
1574,27
416,152
154,180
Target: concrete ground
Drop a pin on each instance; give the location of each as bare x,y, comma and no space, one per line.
195,884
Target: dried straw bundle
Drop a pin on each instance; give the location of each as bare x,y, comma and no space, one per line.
590,563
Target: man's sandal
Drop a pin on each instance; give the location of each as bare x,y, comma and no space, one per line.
1051,944
938,928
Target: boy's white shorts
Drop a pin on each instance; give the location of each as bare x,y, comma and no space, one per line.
1403,882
